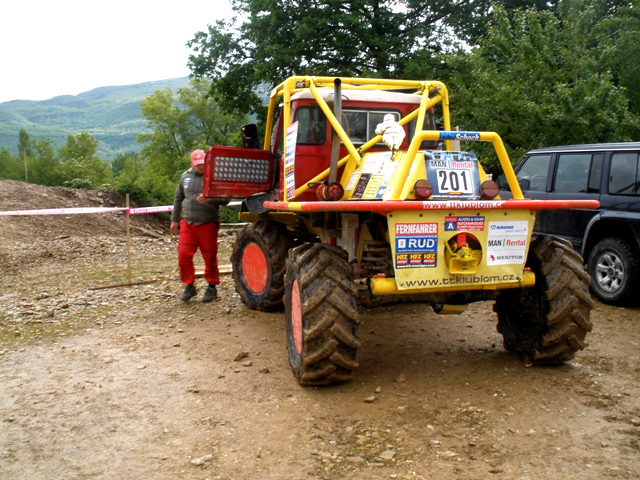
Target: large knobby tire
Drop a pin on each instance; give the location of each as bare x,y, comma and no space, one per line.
258,261
547,323
321,314
613,266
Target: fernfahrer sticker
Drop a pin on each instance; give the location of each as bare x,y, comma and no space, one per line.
416,245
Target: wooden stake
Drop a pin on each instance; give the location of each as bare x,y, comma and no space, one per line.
129,283
24,157
128,241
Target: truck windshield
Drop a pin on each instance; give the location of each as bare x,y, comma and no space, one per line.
359,124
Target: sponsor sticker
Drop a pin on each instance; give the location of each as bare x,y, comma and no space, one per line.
373,187
416,229
463,224
460,136
361,186
290,160
507,243
508,228
375,162
416,245
416,260
352,181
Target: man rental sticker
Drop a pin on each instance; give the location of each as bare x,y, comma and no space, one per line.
507,243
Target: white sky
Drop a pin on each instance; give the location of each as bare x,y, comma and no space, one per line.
66,47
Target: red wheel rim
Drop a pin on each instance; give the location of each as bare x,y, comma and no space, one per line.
254,268
296,316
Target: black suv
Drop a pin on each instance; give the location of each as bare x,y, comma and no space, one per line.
608,238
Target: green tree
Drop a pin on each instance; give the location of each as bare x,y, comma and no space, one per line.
118,164
472,24
40,159
181,123
25,151
131,176
24,143
536,81
10,166
323,37
79,165
620,34
44,167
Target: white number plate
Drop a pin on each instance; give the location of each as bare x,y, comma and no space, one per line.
454,181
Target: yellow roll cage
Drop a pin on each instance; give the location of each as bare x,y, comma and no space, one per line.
425,89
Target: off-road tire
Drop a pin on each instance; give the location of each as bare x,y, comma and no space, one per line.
547,323
614,269
260,283
321,314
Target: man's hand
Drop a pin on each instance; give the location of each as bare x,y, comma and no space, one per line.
174,227
202,199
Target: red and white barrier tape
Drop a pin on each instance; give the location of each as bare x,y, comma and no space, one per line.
136,211
71,211
64,211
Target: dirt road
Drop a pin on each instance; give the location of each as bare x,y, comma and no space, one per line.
130,383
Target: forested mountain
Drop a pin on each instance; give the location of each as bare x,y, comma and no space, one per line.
110,114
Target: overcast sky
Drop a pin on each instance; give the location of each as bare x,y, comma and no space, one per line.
66,47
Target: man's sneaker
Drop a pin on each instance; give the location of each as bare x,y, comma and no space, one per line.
210,294
189,293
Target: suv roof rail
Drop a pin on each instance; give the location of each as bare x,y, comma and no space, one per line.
589,147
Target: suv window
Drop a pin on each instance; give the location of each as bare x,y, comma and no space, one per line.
535,171
595,175
572,172
623,176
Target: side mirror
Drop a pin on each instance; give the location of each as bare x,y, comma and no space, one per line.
502,182
524,184
249,134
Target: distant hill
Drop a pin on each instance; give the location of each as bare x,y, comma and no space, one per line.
110,114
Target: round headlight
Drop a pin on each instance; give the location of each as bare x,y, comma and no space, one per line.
423,189
489,190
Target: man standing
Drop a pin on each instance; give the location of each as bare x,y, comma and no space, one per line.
198,229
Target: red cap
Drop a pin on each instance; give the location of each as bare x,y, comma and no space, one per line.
197,157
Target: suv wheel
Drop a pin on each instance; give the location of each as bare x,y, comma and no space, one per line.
613,266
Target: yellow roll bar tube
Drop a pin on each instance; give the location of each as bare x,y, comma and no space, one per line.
335,123
314,84
402,172
363,148
403,169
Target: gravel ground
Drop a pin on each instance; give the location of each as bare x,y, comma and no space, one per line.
129,382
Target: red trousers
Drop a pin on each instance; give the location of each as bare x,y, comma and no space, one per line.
191,238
